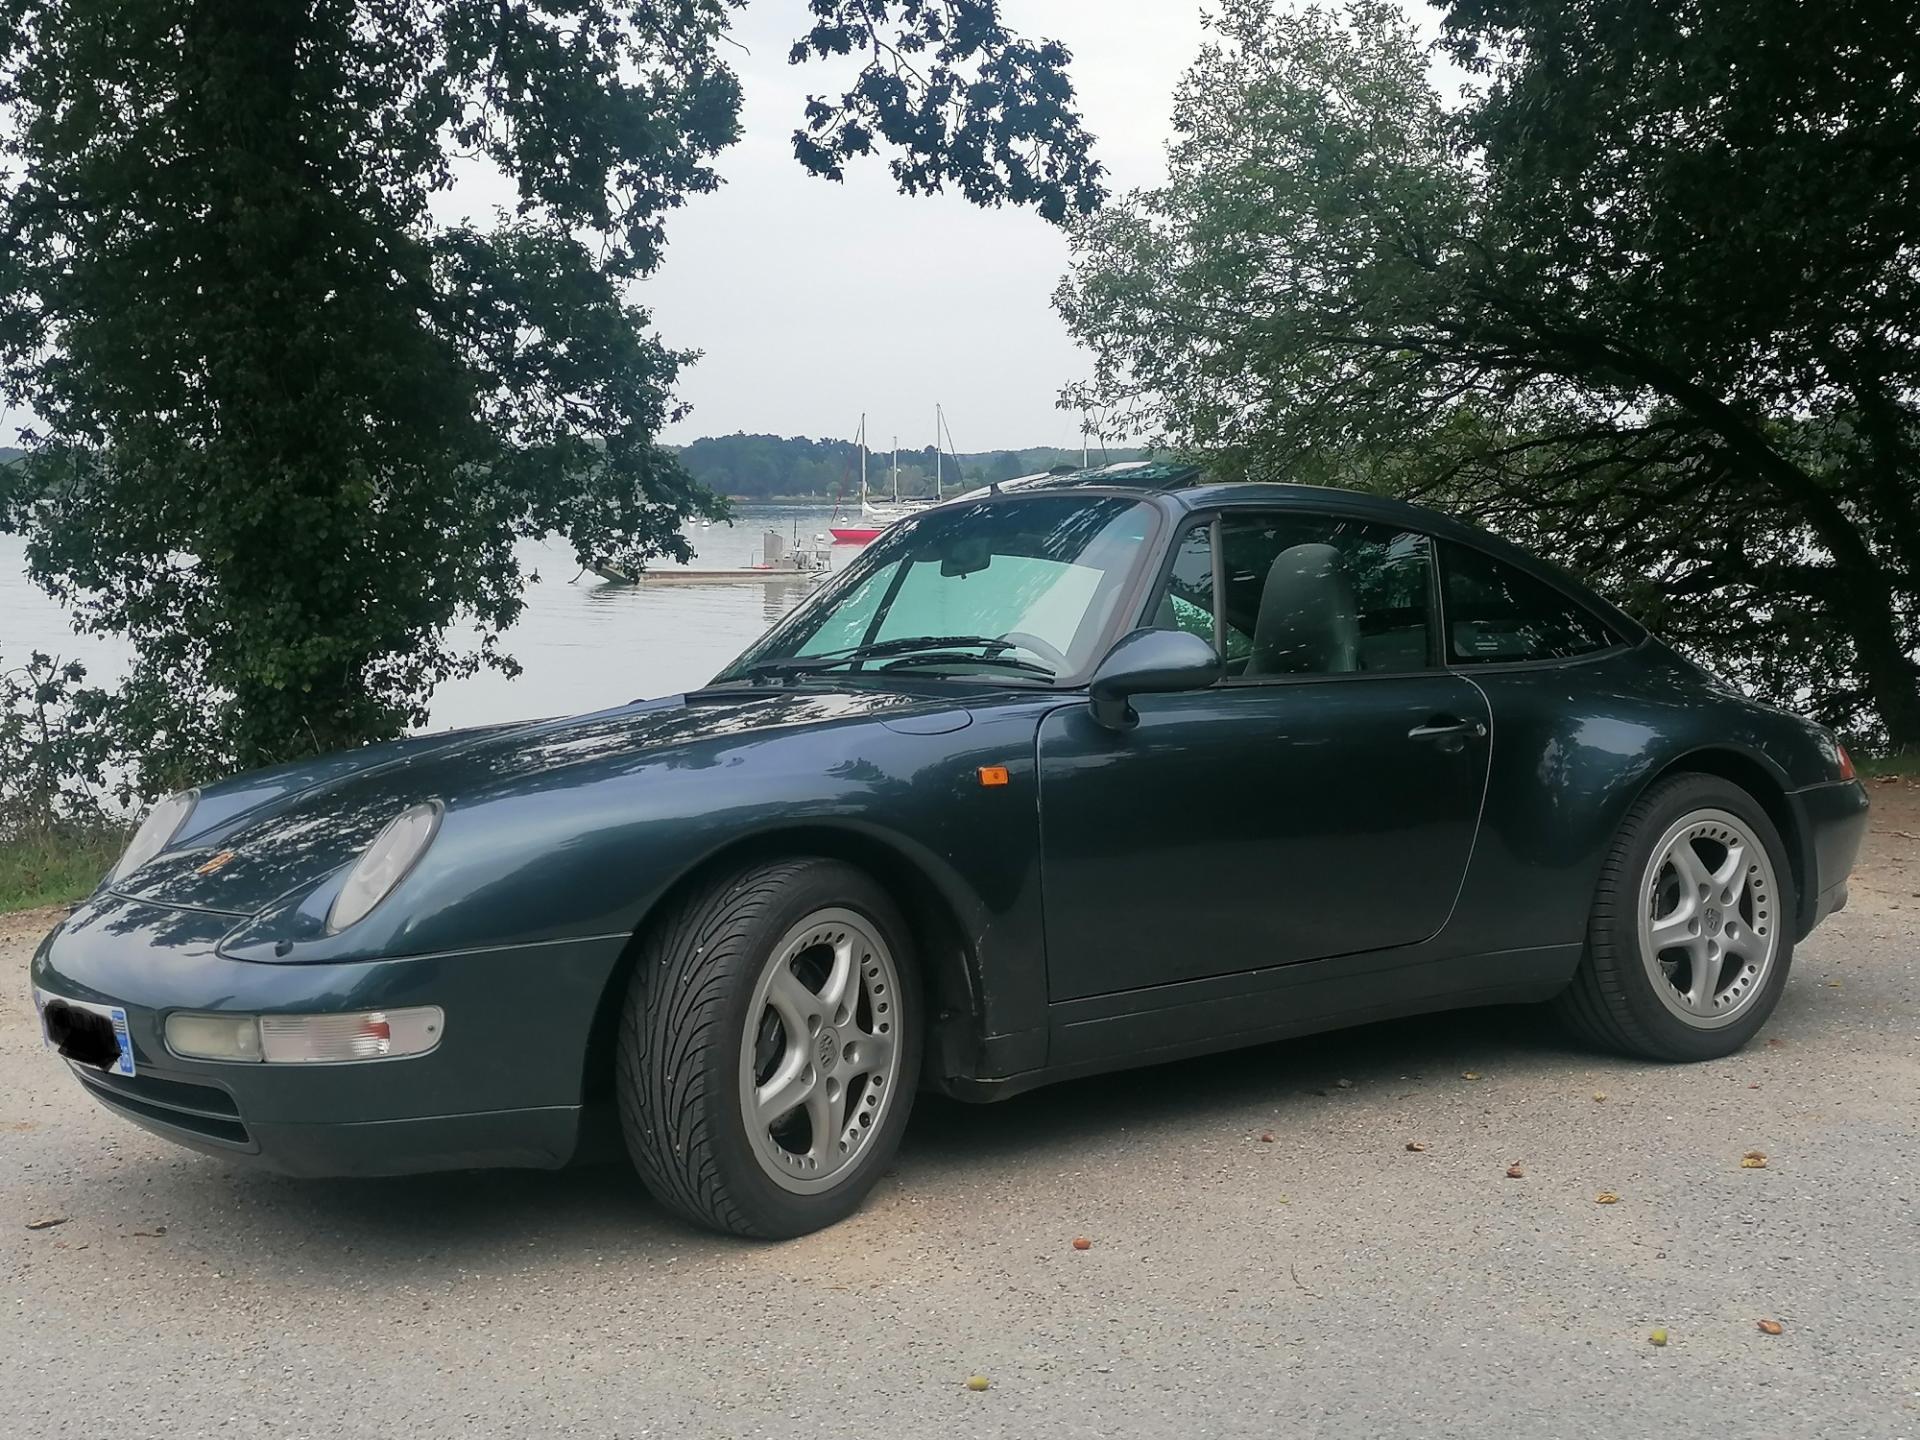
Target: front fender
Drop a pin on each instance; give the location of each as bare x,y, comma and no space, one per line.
567,855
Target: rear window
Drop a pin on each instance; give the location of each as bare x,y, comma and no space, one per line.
1497,614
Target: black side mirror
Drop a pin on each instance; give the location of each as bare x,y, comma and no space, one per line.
1149,662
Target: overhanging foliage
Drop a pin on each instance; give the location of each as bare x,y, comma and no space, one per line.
291,421
1644,299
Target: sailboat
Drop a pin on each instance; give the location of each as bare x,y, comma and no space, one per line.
869,526
877,517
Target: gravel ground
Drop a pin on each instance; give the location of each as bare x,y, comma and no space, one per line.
1326,1280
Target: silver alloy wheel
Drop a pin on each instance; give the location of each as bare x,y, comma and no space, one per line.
1709,918
820,1054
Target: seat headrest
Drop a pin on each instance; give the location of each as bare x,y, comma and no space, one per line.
1308,623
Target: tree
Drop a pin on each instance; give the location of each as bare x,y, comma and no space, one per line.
756,467
1643,298
290,422
49,755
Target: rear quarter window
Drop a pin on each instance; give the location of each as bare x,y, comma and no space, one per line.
1496,614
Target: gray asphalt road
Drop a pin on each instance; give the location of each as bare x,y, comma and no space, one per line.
1329,1281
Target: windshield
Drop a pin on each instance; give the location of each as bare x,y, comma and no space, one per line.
1021,588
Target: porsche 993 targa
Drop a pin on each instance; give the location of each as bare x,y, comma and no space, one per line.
1083,772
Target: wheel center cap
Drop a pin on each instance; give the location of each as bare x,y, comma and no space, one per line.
1710,920
826,1048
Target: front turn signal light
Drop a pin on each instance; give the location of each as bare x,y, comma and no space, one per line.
370,1035
307,1039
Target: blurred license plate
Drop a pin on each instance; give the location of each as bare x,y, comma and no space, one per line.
85,1033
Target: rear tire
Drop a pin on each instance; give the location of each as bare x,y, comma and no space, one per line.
1690,939
770,1047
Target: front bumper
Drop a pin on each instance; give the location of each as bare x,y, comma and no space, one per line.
1831,821
503,1088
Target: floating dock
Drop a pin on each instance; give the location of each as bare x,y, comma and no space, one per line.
696,577
779,561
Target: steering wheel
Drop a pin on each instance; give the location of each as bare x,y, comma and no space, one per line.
1039,647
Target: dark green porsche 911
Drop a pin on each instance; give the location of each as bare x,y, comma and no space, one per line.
1090,771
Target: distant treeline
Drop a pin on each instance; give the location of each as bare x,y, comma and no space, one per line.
759,467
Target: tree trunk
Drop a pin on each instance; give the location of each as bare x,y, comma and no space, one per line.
1865,607
1864,603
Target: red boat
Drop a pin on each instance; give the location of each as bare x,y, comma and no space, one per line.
875,518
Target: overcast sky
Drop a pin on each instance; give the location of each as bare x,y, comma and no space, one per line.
814,301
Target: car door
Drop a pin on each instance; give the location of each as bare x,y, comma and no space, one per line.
1321,800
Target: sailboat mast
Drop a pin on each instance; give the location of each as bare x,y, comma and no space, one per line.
936,454
896,469
863,460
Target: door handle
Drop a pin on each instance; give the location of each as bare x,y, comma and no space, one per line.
1441,727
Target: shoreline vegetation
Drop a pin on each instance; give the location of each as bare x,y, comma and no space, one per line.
55,865
792,502
1879,767
797,470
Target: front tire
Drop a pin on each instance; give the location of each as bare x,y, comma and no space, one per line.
770,1047
1691,934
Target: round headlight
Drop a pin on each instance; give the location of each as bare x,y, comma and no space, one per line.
161,824
384,864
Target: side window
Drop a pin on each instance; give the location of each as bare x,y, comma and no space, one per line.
1496,614
1321,595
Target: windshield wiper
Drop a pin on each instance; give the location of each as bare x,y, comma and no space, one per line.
879,650
950,657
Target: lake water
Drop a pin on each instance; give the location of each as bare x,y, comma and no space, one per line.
585,644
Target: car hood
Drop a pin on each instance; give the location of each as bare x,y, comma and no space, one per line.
248,861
